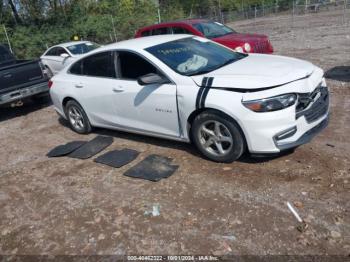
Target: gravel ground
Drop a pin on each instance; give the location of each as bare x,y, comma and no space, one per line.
70,206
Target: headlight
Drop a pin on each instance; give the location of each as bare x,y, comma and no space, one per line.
239,49
271,104
247,47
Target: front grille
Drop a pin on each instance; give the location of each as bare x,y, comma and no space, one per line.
313,105
260,47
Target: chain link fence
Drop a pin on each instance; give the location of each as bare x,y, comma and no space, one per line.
293,8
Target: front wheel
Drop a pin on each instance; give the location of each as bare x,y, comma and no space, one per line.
217,137
77,117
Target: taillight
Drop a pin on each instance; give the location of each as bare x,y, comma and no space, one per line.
50,83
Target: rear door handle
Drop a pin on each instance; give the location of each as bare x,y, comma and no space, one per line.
79,85
118,89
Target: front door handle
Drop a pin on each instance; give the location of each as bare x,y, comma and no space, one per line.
118,89
79,85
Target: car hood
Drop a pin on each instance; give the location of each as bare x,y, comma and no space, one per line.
243,38
258,71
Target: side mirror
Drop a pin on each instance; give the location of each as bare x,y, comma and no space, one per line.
64,55
150,79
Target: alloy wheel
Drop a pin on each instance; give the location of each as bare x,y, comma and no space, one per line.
76,118
215,138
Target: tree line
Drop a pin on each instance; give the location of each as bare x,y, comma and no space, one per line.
34,25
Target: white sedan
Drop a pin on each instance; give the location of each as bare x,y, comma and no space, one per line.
191,89
59,56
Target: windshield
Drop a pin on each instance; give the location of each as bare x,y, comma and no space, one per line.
190,56
82,48
213,29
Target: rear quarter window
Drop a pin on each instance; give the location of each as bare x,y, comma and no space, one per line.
161,31
181,30
52,52
146,33
76,68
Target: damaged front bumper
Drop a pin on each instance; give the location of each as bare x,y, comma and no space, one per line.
314,107
278,131
305,138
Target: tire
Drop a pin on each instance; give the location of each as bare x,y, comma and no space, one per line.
217,137
77,118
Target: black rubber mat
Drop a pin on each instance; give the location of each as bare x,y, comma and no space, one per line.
64,150
152,168
117,158
340,73
92,147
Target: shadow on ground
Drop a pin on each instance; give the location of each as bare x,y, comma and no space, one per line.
340,73
30,105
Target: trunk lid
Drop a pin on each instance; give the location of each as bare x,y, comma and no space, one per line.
22,74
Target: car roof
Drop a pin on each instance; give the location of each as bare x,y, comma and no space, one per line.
142,42
71,43
176,22
193,21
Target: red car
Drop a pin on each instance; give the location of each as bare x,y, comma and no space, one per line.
249,43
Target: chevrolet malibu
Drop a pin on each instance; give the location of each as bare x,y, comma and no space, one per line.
190,89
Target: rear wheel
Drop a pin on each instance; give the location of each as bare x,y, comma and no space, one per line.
77,117
217,137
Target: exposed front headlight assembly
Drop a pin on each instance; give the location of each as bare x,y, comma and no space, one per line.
271,104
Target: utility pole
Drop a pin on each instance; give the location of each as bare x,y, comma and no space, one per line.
220,14
344,12
159,19
157,3
306,4
263,8
276,6
114,32
8,40
293,13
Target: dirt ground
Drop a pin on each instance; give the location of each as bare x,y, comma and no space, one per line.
70,206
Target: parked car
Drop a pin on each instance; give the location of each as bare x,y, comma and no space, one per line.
59,56
248,43
20,79
189,88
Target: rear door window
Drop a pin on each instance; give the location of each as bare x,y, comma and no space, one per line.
146,33
99,65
